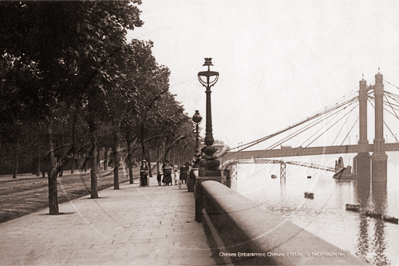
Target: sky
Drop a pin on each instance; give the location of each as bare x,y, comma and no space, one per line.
279,61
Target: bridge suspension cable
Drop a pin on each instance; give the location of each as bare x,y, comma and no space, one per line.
386,103
346,120
324,118
371,99
393,109
390,131
391,84
393,97
332,126
299,131
308,139
316,122
317,115
349,131
393,106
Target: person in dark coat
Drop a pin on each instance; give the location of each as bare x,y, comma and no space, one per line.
167,173
144,173
184,174
191,177
159,178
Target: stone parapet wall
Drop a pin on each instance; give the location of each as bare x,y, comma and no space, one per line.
248,234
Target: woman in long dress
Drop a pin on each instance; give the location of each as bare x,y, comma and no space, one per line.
144,173
176,174
167,173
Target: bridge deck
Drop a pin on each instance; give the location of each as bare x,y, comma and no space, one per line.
293,152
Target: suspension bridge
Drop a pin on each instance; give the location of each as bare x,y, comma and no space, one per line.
330,117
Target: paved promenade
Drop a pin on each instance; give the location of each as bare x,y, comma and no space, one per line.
130,226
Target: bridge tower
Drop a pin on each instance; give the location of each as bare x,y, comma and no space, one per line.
379,157
361,162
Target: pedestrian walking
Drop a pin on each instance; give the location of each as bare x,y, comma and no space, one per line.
176,174
167,173
184,174
144,170
190,177
159,178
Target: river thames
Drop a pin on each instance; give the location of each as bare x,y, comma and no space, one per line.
373,240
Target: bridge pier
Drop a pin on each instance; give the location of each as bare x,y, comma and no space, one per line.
379,168
361,166
283,171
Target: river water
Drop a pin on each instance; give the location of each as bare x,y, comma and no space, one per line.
373,240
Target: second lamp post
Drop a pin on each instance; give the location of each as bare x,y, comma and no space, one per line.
197,119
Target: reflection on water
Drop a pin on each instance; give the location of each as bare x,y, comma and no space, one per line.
375,253
362,248
371,239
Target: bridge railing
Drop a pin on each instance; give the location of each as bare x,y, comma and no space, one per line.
271,161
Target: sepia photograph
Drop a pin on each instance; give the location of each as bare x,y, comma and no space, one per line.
208,132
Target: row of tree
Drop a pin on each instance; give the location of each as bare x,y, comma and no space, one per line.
70,84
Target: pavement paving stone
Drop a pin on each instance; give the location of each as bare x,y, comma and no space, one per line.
160,234
9,260
130,226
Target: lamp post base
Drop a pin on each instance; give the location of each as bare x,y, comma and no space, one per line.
205,173
209,164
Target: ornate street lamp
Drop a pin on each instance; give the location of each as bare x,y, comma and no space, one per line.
210,163
197,119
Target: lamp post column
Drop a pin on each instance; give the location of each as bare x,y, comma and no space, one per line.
209,162
208,130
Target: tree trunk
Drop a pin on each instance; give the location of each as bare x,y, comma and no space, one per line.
111,160
163,152
73,139
158,161
166,150
44,167
73,163
38,166
143,150
129,163
52,171
115,149
93,161
16,163
149,164
105,159
98,159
